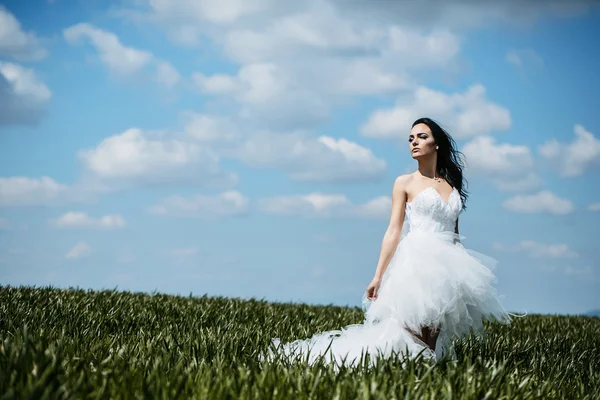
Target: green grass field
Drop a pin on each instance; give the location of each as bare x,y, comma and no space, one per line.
107,344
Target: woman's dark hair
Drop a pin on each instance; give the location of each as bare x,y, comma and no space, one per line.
449,159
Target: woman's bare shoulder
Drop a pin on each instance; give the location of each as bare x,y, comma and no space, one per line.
401,186
404,180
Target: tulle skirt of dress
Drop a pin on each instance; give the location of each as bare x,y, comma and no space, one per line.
432,280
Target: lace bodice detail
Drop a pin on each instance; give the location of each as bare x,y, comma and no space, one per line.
429,212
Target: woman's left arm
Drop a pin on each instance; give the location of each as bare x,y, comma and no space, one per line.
456,239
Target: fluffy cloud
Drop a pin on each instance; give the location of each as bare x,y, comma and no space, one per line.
24,191
319,30
465,114
459,15
187,20
268,93
302,63
22,95
544,250
75,219
136,157
508,166
298,60
576,156
233,203
326,205
193,11
540,250
226,204
322,159
118,58
80,250
16,43
541,202
284,92
209,128
594,207
282,96
302,156
166,74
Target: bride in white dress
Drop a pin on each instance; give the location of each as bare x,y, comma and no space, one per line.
428,289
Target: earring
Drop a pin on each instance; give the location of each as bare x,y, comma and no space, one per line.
436,147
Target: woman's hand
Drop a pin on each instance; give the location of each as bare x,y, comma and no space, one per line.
373,288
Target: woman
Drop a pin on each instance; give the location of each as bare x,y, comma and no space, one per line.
428,289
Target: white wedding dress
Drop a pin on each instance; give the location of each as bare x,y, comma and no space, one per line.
431,280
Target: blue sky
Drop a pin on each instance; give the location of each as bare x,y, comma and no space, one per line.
249,149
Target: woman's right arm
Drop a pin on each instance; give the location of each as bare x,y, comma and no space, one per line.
394,229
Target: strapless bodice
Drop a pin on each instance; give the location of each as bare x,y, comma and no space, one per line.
430,213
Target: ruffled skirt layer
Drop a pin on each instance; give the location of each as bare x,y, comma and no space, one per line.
432,280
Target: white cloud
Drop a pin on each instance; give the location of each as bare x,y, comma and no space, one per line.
224,12
298,60
136,157
594,206
120,59
300,64
27,191
326,205
524,58
209,128
301,156
289,92
20,190
166,74
508,166
22,94
427,14
75,219
217,83
80,250
541,202
320,31
16,43
117,57
460,15
226,204
269,93
24,82
540,250
322,159
465,114
576,156
312,204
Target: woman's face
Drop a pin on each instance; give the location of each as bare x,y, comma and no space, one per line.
420,141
